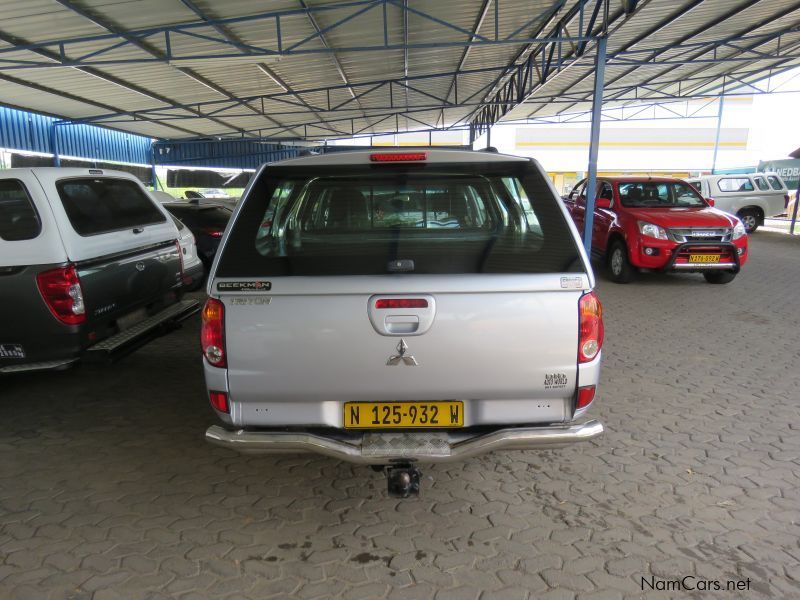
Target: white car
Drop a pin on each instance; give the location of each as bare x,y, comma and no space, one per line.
214,193
751,197
193,270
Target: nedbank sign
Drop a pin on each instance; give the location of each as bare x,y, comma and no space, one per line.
788,169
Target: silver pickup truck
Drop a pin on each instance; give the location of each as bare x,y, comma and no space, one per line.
400,307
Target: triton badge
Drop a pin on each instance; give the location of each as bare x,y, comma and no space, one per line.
402,357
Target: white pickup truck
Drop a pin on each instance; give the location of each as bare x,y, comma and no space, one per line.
403,306
751,196
90,266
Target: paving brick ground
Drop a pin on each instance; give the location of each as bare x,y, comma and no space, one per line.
107,489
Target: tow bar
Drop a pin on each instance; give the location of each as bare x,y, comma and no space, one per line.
402,479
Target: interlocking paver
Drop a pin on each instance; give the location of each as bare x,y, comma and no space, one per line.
107,488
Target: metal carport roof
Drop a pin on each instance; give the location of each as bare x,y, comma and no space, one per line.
302,69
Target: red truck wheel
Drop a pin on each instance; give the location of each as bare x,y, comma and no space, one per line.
619,267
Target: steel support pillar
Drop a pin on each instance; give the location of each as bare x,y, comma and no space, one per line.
594,142
153,166
716,139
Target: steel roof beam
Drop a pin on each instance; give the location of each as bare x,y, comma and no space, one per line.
764,22
157,53
681,11
521,78
279,81
373,85
13,40
334,58
484,10
697,31
74,97
229,35
405,51
117,38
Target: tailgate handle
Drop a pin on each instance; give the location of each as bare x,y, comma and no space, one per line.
401,323
138,229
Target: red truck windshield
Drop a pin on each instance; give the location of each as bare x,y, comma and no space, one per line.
658,194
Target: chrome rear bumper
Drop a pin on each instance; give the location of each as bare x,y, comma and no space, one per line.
381,448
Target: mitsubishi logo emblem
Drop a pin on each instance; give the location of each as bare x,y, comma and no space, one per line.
402,357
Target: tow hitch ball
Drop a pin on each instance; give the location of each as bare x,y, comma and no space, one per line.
403,480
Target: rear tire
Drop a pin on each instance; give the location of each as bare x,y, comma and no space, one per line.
751,219
619,267
719,277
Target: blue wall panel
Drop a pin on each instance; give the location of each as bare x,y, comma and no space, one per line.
30,132
221,154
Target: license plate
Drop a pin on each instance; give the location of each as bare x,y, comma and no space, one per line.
704,258
402,415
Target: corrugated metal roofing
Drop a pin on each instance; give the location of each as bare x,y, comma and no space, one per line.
160,98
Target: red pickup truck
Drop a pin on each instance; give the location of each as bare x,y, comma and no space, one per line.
659,224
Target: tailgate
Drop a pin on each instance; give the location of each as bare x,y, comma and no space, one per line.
117,285
487,345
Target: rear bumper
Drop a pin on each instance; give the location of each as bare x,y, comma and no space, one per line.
385,447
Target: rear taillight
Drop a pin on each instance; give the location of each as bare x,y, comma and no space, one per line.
61,290
219,400
786,200
402,303
398,156
212,333
585,396
213,232
184,279
591,327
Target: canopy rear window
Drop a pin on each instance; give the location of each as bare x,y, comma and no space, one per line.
101,205
775,183
362,220
735,184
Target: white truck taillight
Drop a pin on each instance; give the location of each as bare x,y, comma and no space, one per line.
61,290
212,333
183,277
590,340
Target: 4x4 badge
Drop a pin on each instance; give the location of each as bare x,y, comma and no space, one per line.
401,356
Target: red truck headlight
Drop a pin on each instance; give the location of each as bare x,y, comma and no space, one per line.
212,333
591,336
